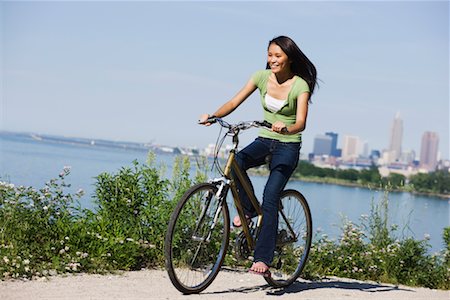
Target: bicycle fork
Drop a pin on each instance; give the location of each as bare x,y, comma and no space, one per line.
206,239
220,195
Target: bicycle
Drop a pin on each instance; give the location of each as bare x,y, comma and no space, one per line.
198,232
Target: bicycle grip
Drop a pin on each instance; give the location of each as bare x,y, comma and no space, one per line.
211,120
265,124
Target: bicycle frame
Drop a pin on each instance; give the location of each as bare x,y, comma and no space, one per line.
193,264
233,166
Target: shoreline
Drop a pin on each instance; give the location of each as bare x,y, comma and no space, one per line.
349,184
334,181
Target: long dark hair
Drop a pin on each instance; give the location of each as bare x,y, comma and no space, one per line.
301,65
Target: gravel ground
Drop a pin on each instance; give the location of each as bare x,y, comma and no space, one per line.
155,284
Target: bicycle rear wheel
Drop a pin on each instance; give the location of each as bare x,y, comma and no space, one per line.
197,239
293,240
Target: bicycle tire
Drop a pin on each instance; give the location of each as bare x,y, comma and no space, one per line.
291,253
191,261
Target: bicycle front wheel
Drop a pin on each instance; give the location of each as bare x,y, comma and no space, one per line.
293,240
197,239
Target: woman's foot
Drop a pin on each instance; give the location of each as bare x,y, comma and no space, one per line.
260,268
237,221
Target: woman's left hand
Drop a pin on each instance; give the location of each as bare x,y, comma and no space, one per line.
279,127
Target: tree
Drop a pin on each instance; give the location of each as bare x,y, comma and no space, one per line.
394,180
349,174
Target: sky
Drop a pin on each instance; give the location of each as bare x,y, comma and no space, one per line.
144,71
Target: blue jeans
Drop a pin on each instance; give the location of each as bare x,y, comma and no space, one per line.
284,159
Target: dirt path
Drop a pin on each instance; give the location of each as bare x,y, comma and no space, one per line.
155,284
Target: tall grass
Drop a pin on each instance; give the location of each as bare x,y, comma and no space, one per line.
371,251
46,232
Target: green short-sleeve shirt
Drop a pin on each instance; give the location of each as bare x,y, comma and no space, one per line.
287,114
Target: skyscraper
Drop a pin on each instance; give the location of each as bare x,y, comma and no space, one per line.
322,145
395,145
429,150
334,137
350,147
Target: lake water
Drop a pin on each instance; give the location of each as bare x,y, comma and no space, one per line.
24,161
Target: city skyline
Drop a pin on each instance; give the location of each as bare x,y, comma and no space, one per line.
347,146
145,71
355,145
352,146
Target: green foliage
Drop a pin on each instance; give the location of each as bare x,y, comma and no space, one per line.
370,251
35,229
393,180
370,175
125,218
435,182
44,232
349,175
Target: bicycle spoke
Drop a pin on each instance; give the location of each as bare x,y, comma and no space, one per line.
197,238
293,241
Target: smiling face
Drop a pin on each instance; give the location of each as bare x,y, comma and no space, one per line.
277,60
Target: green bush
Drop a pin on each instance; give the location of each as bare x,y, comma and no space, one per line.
36,226
371,251
45,232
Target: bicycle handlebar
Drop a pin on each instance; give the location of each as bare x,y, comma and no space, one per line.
233,130
240,125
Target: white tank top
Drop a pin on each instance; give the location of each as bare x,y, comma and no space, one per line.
274,104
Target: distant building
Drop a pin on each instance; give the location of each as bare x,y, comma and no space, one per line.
395,144
322,145
364,149
350,149
334,150
429,151
375,154
408,157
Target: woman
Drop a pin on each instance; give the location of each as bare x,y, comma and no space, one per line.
286,87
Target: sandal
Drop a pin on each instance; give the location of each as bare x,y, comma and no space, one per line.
237,219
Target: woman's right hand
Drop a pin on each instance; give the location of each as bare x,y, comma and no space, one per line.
203,118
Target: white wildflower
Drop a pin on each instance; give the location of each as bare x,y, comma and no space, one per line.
53,272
